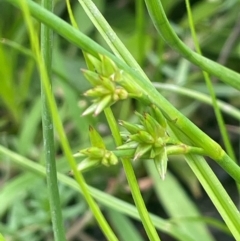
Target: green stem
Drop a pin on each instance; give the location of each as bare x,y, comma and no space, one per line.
171,150
216,192
109,35
132,181
58,124
48,135
164,28
198,137
105,199
221,124
225,107
140,24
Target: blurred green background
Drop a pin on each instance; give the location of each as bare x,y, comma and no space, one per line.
24,208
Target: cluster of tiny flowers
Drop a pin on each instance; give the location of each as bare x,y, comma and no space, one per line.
149,138
97,154
104,76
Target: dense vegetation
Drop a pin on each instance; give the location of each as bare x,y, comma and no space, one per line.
191,203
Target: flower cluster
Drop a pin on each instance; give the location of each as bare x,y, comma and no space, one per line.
108,83
149,138
96,154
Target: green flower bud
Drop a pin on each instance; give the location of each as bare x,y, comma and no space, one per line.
149,124
132,128
113,160
105,162
154,127
116,76
159,116
126,81
92,77
122,93
108,66
93,152
107,83
97,92
145,137
93,63
135,137
160,142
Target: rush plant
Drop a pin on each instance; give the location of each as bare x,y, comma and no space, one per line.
157,133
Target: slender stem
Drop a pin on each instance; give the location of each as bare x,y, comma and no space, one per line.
48,135
132,181
199,138
140,24
105,199
171,150
164,28
110,36
221,124
62,136
225,107
216,192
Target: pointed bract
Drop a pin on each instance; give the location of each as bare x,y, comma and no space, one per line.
92,77
160,161
159,116
132,128
105,102
93,63
141,150
95,138
128,145
108,66
90,109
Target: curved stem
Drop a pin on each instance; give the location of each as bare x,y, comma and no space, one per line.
218,114
62,136
198,137
109,35
105,199
164,28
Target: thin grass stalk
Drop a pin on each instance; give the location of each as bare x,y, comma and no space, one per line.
140,24
132,181
199,138
109,35
219,196
48,135
105,199
196,95
58,124
164,28
218,114
196,136
147,223
213,187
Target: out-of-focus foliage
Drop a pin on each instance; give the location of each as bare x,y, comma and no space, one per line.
24,209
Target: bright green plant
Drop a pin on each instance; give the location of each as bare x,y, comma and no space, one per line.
161,131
